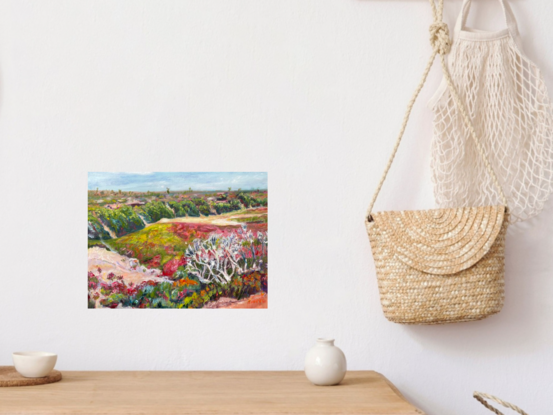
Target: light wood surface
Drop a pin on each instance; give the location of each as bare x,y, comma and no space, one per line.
213,393
10,377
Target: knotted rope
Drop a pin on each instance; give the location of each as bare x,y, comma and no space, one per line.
439,38
441,45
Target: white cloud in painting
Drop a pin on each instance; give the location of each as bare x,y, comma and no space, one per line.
203,181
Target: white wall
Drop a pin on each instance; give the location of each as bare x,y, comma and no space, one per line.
311,91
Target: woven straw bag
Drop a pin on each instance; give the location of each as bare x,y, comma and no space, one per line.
482,397
443,265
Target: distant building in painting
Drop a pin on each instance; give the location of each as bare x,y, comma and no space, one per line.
134,202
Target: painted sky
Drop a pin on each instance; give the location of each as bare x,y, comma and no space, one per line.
160,181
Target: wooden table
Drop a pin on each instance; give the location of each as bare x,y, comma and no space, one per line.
210,393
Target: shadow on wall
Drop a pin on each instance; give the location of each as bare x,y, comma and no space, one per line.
528,263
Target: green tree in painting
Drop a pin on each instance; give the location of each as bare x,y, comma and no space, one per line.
96,229
120,221
154,211
227,207
190,208
202,206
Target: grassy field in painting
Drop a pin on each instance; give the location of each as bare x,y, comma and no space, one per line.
184,250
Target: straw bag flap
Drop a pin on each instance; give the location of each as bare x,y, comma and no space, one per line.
439,241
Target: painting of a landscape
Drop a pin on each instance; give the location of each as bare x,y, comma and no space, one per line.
177,240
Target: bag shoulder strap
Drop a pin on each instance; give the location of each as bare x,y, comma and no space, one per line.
481,397
441,45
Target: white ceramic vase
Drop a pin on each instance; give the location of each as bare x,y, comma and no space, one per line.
325,364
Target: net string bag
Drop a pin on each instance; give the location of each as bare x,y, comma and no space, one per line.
441,265
507,101
484,397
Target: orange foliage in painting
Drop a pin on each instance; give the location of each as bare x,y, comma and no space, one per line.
185,282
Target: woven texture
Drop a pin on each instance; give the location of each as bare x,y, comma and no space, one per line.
439,266
10,377
507,101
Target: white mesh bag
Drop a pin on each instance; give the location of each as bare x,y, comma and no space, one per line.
508,103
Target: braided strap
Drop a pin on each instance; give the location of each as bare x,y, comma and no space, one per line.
481,397
441,45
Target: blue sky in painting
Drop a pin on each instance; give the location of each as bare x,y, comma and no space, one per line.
159,181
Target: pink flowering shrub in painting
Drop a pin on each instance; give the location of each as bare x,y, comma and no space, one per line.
230,265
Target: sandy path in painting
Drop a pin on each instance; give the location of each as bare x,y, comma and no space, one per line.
258,300
219,220
207,221
129,269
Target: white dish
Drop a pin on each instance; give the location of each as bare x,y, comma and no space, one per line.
34,364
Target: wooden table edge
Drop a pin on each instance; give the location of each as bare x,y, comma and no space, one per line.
67,377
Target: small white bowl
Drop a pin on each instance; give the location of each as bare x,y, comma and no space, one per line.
34,364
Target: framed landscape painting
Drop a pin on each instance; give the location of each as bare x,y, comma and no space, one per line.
177,240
